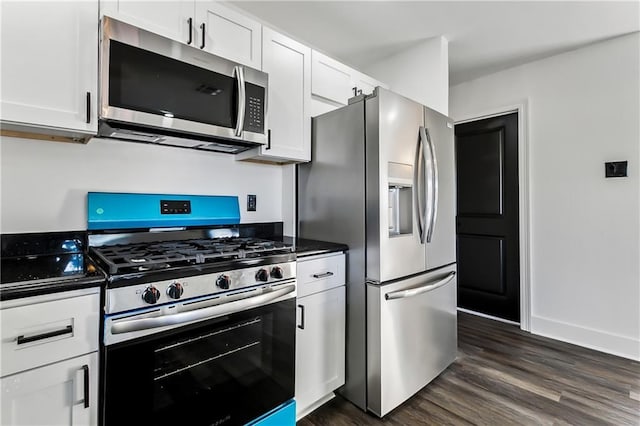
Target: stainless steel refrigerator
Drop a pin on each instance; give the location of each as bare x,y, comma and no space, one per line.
382,181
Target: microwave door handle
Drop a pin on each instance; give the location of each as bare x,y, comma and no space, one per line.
238,72
433,179
202,313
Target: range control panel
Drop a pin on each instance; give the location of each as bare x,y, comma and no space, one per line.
171,291
175,206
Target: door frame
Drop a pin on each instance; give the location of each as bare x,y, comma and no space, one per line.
524,201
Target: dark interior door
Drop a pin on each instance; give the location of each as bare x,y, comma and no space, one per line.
487,218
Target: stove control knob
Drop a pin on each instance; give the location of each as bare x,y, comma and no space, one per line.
262,275
175,290
151,295
224,282
276,272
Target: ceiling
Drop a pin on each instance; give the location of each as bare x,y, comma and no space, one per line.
484,37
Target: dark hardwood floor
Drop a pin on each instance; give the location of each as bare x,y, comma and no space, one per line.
504,376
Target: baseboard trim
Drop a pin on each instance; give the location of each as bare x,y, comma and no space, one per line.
598,340
480,314
311,408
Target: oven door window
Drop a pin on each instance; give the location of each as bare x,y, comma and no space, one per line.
144,81
224,372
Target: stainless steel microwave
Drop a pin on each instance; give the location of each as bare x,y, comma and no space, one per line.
157,90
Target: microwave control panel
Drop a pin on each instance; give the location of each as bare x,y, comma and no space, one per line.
254,109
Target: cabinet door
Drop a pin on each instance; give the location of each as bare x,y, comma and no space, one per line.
167,18
289,66
52,395
227,33
50,64
365,83
330,78
320,346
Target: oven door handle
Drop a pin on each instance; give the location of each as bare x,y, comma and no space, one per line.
201,314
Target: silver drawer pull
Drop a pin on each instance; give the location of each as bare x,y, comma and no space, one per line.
325,275
22,340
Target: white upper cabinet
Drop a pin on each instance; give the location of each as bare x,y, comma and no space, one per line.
337,82
173,19
206,25
49,69
364,83
228,33
288,64
330,78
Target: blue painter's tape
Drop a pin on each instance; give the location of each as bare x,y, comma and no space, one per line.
284,415
111,210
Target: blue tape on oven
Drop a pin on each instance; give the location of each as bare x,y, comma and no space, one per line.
284,415
110,210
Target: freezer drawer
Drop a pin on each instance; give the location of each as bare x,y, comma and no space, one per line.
411,336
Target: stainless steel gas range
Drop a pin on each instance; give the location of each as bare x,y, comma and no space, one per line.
199,321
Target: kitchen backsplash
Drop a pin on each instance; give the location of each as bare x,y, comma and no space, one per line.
44,184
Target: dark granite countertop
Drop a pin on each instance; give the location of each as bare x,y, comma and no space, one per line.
40,287
306,247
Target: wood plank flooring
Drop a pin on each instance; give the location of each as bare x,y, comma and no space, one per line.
504,376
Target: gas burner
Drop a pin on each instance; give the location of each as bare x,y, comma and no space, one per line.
142,257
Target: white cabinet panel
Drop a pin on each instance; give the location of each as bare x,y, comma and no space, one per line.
320,346
330,78
167,18
319,273
365,83
49,69
338,82
52,395
72,324
288,64
228,33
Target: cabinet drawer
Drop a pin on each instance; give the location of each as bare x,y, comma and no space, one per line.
320,273
48,331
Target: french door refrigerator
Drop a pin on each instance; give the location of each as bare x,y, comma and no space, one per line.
381,180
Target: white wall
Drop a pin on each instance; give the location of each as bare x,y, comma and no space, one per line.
420,72
44,184
584,109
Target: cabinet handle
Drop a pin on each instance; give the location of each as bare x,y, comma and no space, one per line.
268,139
85,369
301,326
22,340
190,21
88,107
202,27
325,275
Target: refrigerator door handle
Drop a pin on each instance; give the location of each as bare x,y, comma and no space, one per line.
418,184
432,186
401,294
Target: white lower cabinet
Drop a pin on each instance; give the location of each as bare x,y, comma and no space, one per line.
49,365
64,393
320,347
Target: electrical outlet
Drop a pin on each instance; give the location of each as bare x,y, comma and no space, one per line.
615,169
251,203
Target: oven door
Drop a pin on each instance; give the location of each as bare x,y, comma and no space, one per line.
152,81
226,370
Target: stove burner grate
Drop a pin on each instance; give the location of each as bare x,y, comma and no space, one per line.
141,257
